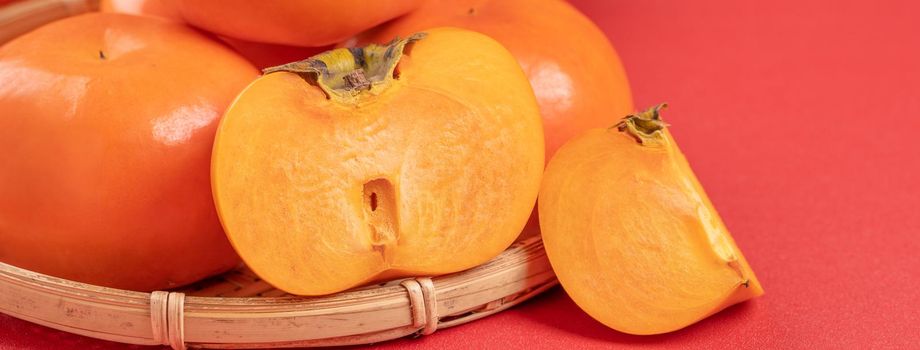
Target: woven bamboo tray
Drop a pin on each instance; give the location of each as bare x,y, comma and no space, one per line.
237,309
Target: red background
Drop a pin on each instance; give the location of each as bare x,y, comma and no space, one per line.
801,120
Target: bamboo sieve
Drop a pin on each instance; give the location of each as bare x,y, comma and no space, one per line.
237,310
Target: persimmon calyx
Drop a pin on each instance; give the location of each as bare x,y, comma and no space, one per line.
646,127
345,73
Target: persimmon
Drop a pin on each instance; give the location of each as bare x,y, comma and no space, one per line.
261,55
166,9
631,234
106,126
292,22
346,168
264,55
575,72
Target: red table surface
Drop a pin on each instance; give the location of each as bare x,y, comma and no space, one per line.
801,120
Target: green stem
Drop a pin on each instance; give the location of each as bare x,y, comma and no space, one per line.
345,73
646,127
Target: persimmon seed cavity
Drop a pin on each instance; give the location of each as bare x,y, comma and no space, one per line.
380,214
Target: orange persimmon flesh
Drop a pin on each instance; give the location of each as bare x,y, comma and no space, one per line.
342,169
631,234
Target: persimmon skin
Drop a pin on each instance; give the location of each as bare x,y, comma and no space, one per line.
106,126
292,22
264,55
431,173
576,74
166,9
633,238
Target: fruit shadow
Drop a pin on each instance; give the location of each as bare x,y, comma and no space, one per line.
554,308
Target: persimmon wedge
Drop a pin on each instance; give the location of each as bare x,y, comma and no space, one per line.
344,168
631,234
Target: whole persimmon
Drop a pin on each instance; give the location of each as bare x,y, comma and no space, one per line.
631,234
264,55
420,157
307,23
575,73
106,126
157,8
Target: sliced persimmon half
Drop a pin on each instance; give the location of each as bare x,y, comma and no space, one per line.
420,157
631,234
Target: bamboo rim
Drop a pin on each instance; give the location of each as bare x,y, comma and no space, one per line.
233,311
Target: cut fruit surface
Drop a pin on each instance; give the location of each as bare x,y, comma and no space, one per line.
631,234
342,169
